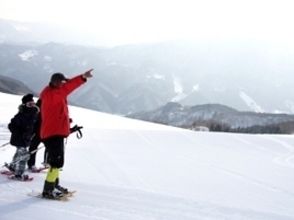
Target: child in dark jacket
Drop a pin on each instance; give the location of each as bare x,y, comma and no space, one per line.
21,127
36,140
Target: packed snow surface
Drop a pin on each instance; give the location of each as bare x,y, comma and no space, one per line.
125,169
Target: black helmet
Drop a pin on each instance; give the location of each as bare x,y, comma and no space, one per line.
27,98
58,77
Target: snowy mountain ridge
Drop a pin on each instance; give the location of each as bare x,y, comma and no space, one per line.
13,86
179,115
124,169
133,78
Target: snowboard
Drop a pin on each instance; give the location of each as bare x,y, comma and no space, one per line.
63,198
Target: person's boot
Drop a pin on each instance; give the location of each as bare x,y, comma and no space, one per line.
33,169
10,167
48,191
22,177
60,188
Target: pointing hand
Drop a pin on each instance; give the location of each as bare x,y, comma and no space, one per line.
88,74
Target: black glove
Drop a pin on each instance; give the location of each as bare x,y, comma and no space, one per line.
75,128
78,129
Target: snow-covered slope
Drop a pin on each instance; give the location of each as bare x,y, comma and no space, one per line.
125,169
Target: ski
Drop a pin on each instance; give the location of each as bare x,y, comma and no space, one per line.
6,172
38,170
10,175
26,179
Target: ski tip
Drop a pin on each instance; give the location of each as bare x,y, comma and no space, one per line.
6,172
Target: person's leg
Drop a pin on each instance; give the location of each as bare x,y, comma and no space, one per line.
20,161
49,184
11,166
55,148
33,147
45,162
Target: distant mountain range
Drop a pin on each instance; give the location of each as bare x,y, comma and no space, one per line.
12,86
248,76
219,118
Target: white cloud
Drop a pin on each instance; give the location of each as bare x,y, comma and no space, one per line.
133,21
21,28
196,88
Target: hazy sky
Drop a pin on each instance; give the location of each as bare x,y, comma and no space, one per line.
133,21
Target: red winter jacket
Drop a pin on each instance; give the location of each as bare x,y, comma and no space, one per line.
54,109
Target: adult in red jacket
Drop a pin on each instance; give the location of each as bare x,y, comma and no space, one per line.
55,126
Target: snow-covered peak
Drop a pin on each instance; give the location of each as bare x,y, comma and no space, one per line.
290,105
179,90
28,55
250,102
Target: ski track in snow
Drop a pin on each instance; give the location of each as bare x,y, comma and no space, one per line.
114,203
285,159
106,202
255,181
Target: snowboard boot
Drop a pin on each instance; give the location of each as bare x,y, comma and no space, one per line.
10,167
60,188
23,177
49,192
52,194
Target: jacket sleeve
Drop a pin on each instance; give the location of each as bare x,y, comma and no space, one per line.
14,125
72,84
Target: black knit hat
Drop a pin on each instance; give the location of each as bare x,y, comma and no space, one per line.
27,98
58,77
